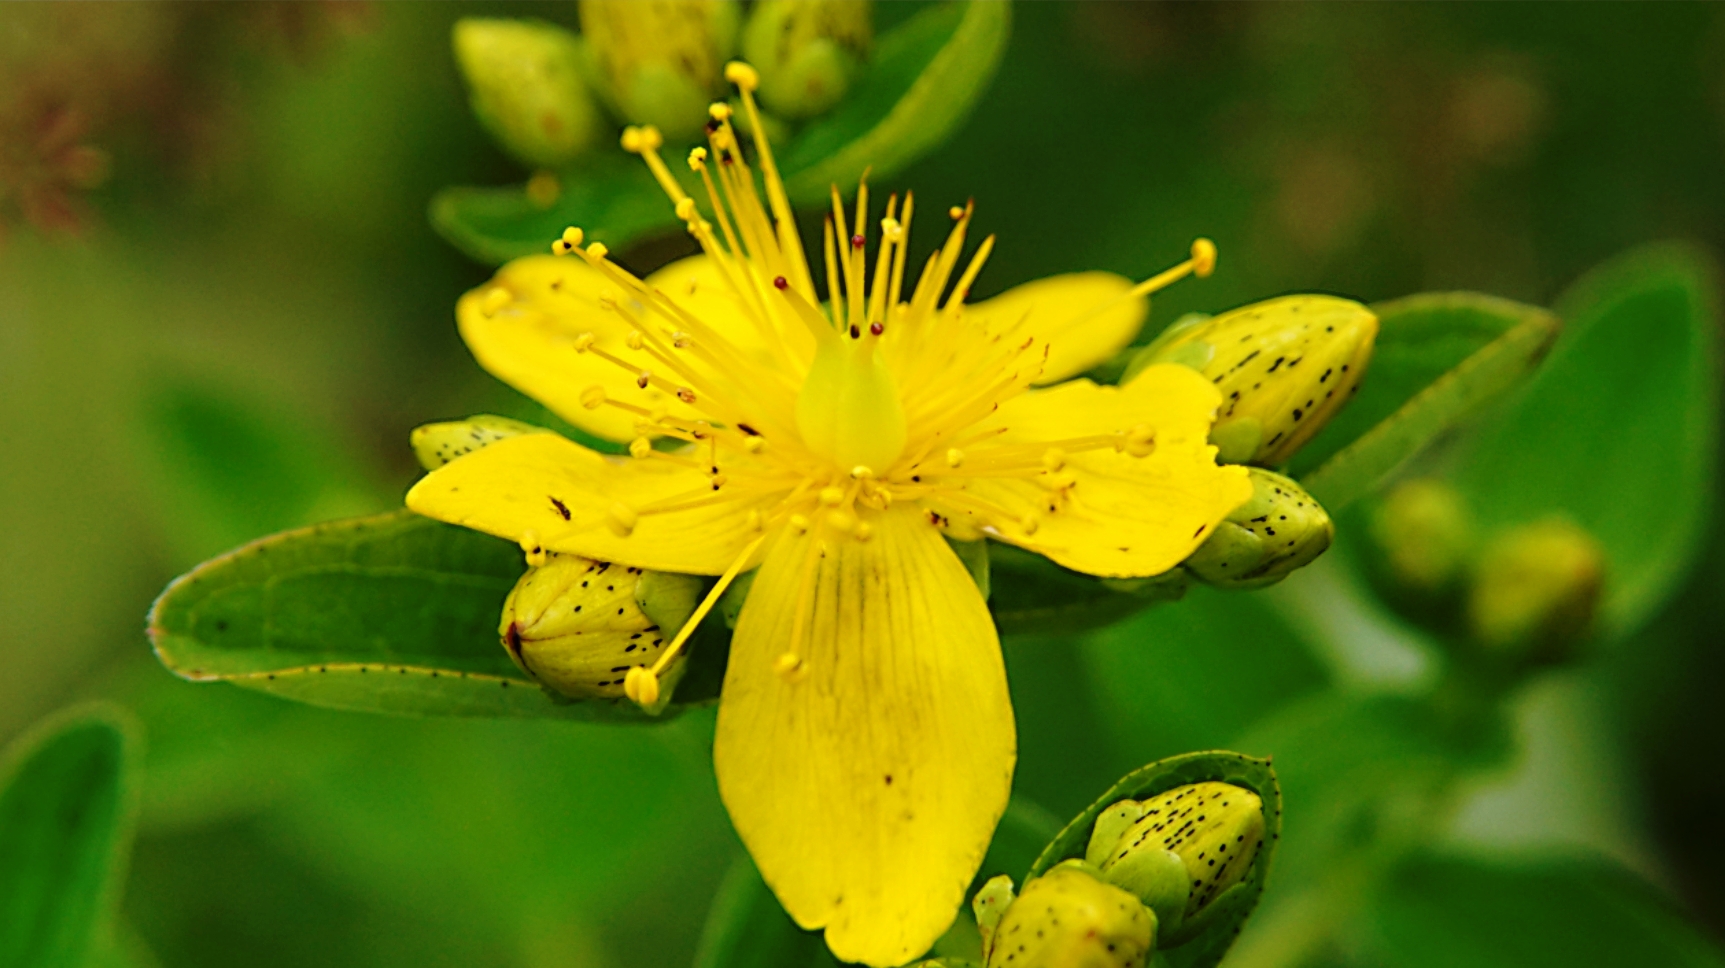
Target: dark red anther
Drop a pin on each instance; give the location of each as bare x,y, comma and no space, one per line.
858,241
876,328
780,282
855,332
712,126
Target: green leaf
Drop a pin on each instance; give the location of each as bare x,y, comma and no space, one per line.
746,927
1484,914
1221,921
394,613
613,198
925,76
1031,595
1619,431
1439,357
65,815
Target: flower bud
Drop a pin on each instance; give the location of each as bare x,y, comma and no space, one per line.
437,444
1284,366
1070,918
807,53
578,626
1536,589
1280,530
660,62
526,88
1425,534
990,904
1179,850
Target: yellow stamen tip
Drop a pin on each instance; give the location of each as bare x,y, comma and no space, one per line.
686,210
634,340
597,250
640,447
755,445
799,523
573,236
861,473
496,299
718,111
832,497
1053,459
641,686
631,139
863,531
593,397
1029,523
584,342
742,75
1203,257
697,159
621,518
954,457
955,212
841,521
788,665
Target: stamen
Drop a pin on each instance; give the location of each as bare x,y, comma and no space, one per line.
637,686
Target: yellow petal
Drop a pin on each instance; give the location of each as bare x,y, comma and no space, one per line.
1081,315
522,326
867,785
1124,516
527,484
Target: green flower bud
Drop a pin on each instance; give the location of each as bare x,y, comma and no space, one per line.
1280,530
1179,850
660,62
578,626
526,88
808,54
1284,366
437,444
1536,589
1425,534
1070,918
990,904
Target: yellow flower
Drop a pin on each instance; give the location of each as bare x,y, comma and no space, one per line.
865,741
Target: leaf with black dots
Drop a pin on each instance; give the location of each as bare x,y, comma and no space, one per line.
1220,922
394,613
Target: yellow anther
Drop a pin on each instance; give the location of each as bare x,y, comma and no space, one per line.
841,521
891,230
697,159
799,523
686,395
954,457
643,378
621,519
496,299
631,139
955,212
1053,459
742,75
863,531
593,397
1203,257
1056,482
532,548
640,447
1029,523
719,111
1140,448
634,340
658,413
584,342
686,209
720,480
597,250
787,664
641,686
754,445
861,473
832,497
755,519
572,236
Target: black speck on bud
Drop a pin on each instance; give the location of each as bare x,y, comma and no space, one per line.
1280,530
1071,918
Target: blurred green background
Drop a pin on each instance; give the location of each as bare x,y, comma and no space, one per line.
224,309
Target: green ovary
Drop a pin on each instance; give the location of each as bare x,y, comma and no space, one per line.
849,408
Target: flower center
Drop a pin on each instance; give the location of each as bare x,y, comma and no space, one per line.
849,409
